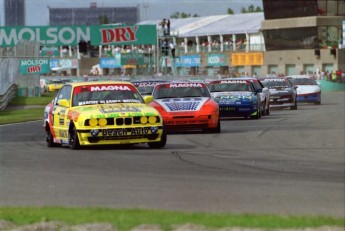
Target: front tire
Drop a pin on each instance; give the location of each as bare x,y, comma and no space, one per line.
73,138
161,143
216,129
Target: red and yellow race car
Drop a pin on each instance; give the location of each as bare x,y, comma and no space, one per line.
102,113
186,106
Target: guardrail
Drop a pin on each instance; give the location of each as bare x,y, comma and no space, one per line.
8,96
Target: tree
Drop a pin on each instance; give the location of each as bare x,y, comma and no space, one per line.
103,19
251,9
230,11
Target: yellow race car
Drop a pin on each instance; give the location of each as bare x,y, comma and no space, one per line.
102,113
55,85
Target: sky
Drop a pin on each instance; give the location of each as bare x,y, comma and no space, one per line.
37,10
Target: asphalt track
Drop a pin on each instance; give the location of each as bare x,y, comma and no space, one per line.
287,163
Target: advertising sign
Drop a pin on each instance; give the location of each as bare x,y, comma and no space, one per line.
216,60
72,35
34,66
49,51
188,61
242,59
132,59
110,62
61,64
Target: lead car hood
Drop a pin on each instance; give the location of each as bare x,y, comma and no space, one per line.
114,110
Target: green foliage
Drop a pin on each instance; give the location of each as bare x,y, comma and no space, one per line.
251,9
230,11
103,19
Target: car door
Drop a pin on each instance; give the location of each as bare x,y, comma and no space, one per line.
59,114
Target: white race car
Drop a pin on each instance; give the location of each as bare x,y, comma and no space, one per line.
308,90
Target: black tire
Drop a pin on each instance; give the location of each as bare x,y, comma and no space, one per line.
216,129
268,109
258,114
294,107
161,143
73,138
49,138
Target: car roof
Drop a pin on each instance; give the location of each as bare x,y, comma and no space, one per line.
84,83
299,76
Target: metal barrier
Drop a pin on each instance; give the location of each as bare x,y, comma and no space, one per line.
10,75
8,96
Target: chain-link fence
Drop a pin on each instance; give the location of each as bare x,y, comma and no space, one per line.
13,83
27,85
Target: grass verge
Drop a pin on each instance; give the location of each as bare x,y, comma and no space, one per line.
127,219
19,109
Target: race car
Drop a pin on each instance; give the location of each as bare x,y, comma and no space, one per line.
283,93
308,90
236,98
102,113
264,94
185,106
146,87
55,84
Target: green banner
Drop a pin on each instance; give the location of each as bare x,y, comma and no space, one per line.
216,60
49,51
132,59
72,35
34,66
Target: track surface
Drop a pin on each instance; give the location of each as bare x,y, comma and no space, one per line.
290,162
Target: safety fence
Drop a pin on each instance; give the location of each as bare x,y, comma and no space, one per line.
12,82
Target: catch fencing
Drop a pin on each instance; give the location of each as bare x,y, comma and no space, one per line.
13,83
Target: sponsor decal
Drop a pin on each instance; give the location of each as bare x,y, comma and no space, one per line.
233,81
129,131
185,85
119,108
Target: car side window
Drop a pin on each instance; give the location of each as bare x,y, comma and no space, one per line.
64,93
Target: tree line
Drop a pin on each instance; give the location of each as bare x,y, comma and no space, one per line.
250,9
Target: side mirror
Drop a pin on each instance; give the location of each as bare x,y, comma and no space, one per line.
64,103
148,99
258,90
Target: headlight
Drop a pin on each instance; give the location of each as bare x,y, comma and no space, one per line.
143,120
102,122
93,122
152,119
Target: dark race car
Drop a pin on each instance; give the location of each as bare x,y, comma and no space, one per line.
283,93
145,87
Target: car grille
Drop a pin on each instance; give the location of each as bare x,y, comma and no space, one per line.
123,121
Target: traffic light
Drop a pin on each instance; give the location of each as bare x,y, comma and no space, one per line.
82,46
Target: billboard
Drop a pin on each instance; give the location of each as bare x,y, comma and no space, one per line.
72,35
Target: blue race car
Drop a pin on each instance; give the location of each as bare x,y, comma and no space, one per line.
236,98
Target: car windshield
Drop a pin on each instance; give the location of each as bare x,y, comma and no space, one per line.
303,81
105,94
180,91
221,87
145,90
274,83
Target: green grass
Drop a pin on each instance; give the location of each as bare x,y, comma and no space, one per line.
19,114
126,219
43,100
